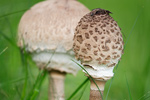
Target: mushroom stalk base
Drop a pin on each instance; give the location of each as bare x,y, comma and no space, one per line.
56,85
94,92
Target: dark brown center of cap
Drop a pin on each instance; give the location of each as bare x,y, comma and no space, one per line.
99,11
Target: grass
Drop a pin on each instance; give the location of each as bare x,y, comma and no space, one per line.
20,81
89,76
145,96
3,50
130,97
12,13
80,86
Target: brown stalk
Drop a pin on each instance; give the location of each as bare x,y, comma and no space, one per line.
94,92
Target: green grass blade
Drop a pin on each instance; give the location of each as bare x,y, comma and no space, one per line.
37,84
11,82
147,98
24,56
145,95
39,80
128,88
112,81
37,88
13,13
24,89
117,66
9,27
18,92
34,86
90,77
80,86
8,39
83,92
109,88
3,50
25,65
4,94
132,28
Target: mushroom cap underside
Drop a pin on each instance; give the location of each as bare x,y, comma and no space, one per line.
55,61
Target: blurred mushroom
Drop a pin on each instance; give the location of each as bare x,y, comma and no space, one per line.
46,28
98,43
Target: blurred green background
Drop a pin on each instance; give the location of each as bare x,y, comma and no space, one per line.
132,77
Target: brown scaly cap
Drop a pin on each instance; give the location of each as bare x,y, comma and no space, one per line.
98,40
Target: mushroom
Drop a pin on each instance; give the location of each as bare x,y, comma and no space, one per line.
46,28
98,43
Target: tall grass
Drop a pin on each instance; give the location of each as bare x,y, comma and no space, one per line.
3,50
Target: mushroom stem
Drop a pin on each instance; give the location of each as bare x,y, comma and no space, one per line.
56,85
94,92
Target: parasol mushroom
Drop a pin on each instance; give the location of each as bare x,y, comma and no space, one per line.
98,43
46,28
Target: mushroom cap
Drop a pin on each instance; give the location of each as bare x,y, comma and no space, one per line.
49,26
98,43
